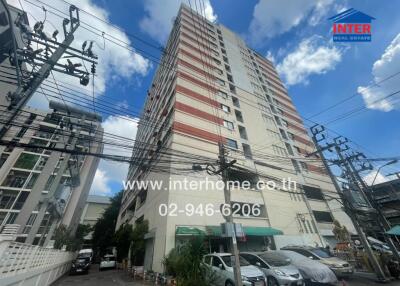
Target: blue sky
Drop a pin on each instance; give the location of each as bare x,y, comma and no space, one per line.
294,34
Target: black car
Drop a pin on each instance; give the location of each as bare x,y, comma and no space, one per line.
80,265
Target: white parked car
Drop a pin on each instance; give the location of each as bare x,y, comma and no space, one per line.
276,267
108,261
221,265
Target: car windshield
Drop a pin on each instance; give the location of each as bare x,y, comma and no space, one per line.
109,258
321,253
84,255
227,260
275,259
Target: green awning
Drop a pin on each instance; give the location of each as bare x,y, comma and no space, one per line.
187,230
248,230
261,231
394,230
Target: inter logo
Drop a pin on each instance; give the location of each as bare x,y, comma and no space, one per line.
351,26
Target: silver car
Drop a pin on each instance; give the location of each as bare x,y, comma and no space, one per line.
339,266
276,267
221,265
313,272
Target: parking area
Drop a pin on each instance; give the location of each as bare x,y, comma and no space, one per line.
120,278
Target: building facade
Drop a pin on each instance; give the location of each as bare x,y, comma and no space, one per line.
387,196
94,209
211,88
43,187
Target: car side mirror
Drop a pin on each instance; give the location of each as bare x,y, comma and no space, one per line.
258,264
220,266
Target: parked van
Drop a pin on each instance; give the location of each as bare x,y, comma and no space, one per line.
86,253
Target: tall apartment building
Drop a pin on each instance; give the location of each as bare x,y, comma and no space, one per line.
41,188
211,87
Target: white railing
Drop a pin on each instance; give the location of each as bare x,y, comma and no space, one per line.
21,262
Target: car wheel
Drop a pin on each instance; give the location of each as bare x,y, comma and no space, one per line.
272,281
229,283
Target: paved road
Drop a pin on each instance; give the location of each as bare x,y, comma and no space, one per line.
97,278
120,278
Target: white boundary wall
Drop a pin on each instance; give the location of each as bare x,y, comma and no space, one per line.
30,265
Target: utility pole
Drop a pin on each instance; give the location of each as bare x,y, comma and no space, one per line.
383,223
47,59
349,209
224,169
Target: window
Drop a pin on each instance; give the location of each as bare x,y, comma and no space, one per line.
229,125
278,120
231,143
242,132
289,149
304,166
232,88
218,71
247,151
268,119
296,166
225,59
235,101
230,78
222,94
238,115
225,108
321,216
227,68
218,62
290,135
283,134
216,261
26,161
273,134
220,82
279,150
313,193
284,122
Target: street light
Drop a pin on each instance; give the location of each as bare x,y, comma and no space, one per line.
384,165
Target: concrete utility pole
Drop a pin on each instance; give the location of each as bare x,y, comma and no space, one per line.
224,169
383,223
349,209
22,95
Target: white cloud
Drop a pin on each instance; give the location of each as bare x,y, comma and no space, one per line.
111,171
270,57
369,179
386,66
114,61
100,184
274,17
159,16
312,56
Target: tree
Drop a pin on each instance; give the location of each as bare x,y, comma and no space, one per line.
138,242
72,242
122,239
103,230
185,264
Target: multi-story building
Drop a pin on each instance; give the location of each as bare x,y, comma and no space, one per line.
211,88
387,196
43,187
94,209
